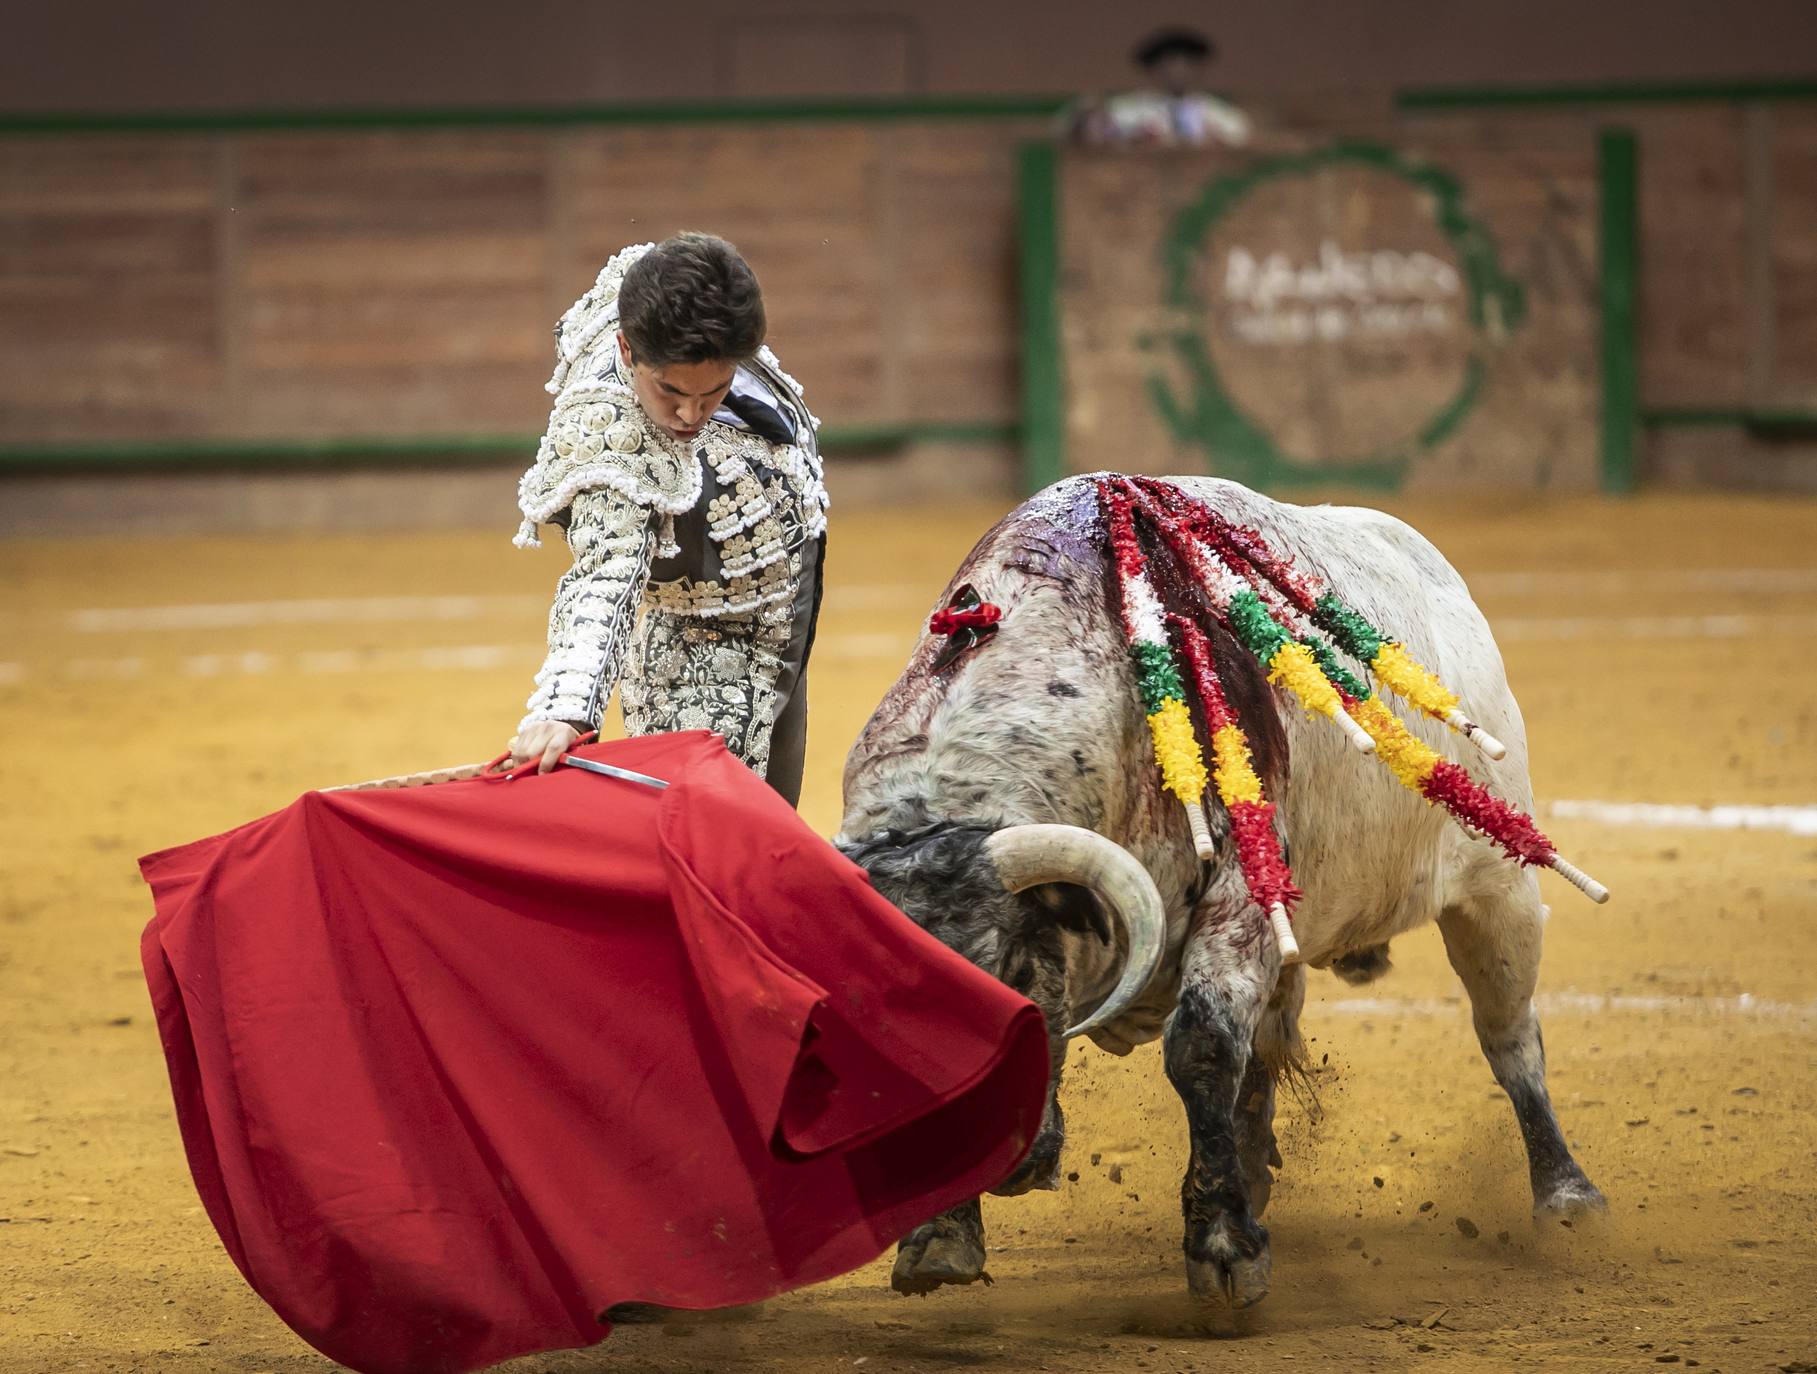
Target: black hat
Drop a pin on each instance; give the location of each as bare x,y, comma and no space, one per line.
1165,43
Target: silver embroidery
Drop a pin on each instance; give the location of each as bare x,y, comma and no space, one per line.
706,653
590,621
719,674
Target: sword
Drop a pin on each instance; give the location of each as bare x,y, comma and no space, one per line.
607,770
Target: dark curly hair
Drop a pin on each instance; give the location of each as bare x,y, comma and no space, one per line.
691,299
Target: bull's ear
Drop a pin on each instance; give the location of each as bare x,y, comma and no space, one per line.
1071,907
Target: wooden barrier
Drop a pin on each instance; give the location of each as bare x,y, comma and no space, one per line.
305,290
388,284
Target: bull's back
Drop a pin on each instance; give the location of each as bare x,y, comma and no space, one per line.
1043,723
1373,858
1384,568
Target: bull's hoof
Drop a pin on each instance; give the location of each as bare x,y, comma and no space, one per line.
1230,1281
928,1261
1568,1200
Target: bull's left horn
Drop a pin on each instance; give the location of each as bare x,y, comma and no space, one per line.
1029,855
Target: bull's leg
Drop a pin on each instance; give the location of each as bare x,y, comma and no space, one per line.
1494,945
948,1249
1228,969
1040,1171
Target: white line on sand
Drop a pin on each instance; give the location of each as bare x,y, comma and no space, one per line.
1615,581
1795,820
1581,1003
1513,628
843,596
355,610
894,647
469,657
860,596
369,610
246,664
240,615
314,663
92,669
433,658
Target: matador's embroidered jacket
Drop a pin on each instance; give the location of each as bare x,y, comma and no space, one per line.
718,539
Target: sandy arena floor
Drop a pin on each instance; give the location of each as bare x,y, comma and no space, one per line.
1663,650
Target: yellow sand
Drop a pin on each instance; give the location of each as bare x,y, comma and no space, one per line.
1694,1117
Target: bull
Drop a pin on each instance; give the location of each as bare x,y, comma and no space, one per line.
1008,802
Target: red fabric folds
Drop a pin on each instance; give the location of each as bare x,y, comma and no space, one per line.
458,1068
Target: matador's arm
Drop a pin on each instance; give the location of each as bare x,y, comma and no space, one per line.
613,540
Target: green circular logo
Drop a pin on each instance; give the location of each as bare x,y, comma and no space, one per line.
1333,315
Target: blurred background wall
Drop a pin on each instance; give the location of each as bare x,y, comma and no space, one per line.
239,243
118,54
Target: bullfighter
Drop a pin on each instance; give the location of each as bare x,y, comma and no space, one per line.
681,463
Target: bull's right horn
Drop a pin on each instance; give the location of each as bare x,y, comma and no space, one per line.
1029,855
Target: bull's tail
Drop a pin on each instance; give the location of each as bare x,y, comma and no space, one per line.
1280,1046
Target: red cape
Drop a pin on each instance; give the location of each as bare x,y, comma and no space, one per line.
460,1067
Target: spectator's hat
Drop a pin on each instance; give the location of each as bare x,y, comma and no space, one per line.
1174,42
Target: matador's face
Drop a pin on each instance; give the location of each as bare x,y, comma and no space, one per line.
681,397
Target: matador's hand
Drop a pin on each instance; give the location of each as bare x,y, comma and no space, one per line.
543,740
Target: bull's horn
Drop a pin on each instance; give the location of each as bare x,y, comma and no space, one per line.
1029,855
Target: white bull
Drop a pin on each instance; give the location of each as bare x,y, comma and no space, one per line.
1042,725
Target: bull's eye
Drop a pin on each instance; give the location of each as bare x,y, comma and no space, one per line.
1020,976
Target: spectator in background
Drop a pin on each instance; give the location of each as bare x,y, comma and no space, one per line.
1173,109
